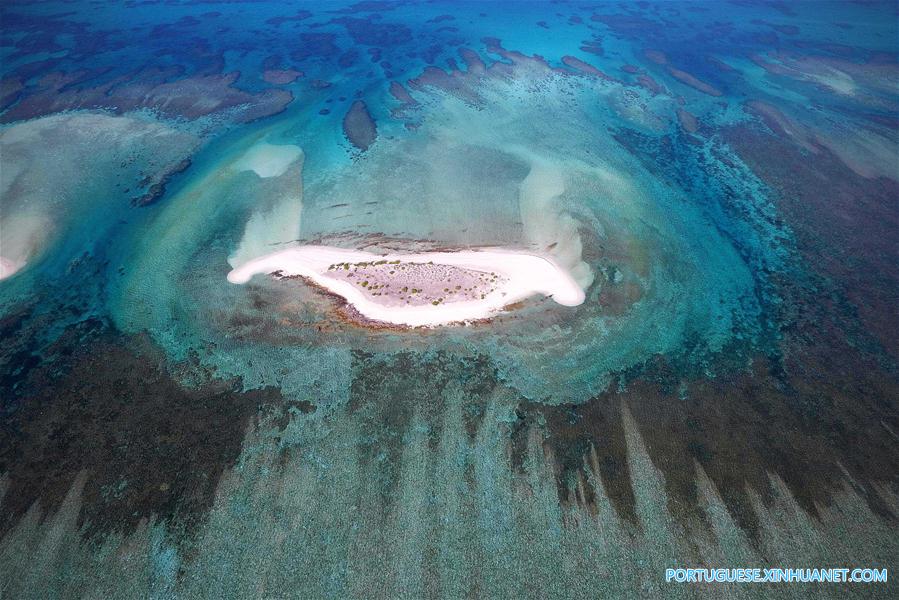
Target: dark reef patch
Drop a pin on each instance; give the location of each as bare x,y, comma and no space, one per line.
156,190
785,29
441,18
720,65
740,427
687,121
586,68
190,98
359,126
300,15
583,439
316,45
365,6
388,390
108,405
846,228
473,61
371,32
10,87
348,58
593,46
430,54
648,83
281,76
692,81
402,94
631,26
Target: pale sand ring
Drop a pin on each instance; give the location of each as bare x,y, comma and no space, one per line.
422,290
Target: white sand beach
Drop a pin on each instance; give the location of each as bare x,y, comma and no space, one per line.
517,275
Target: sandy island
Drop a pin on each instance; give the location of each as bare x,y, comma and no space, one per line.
427,289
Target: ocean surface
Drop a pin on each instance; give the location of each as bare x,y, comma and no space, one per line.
721,179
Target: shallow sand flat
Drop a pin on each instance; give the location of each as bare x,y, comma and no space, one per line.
9,267
269,160
97,162
513,276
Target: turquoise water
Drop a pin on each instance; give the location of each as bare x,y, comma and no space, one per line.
691,280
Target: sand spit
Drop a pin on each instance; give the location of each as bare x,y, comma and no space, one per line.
426,289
